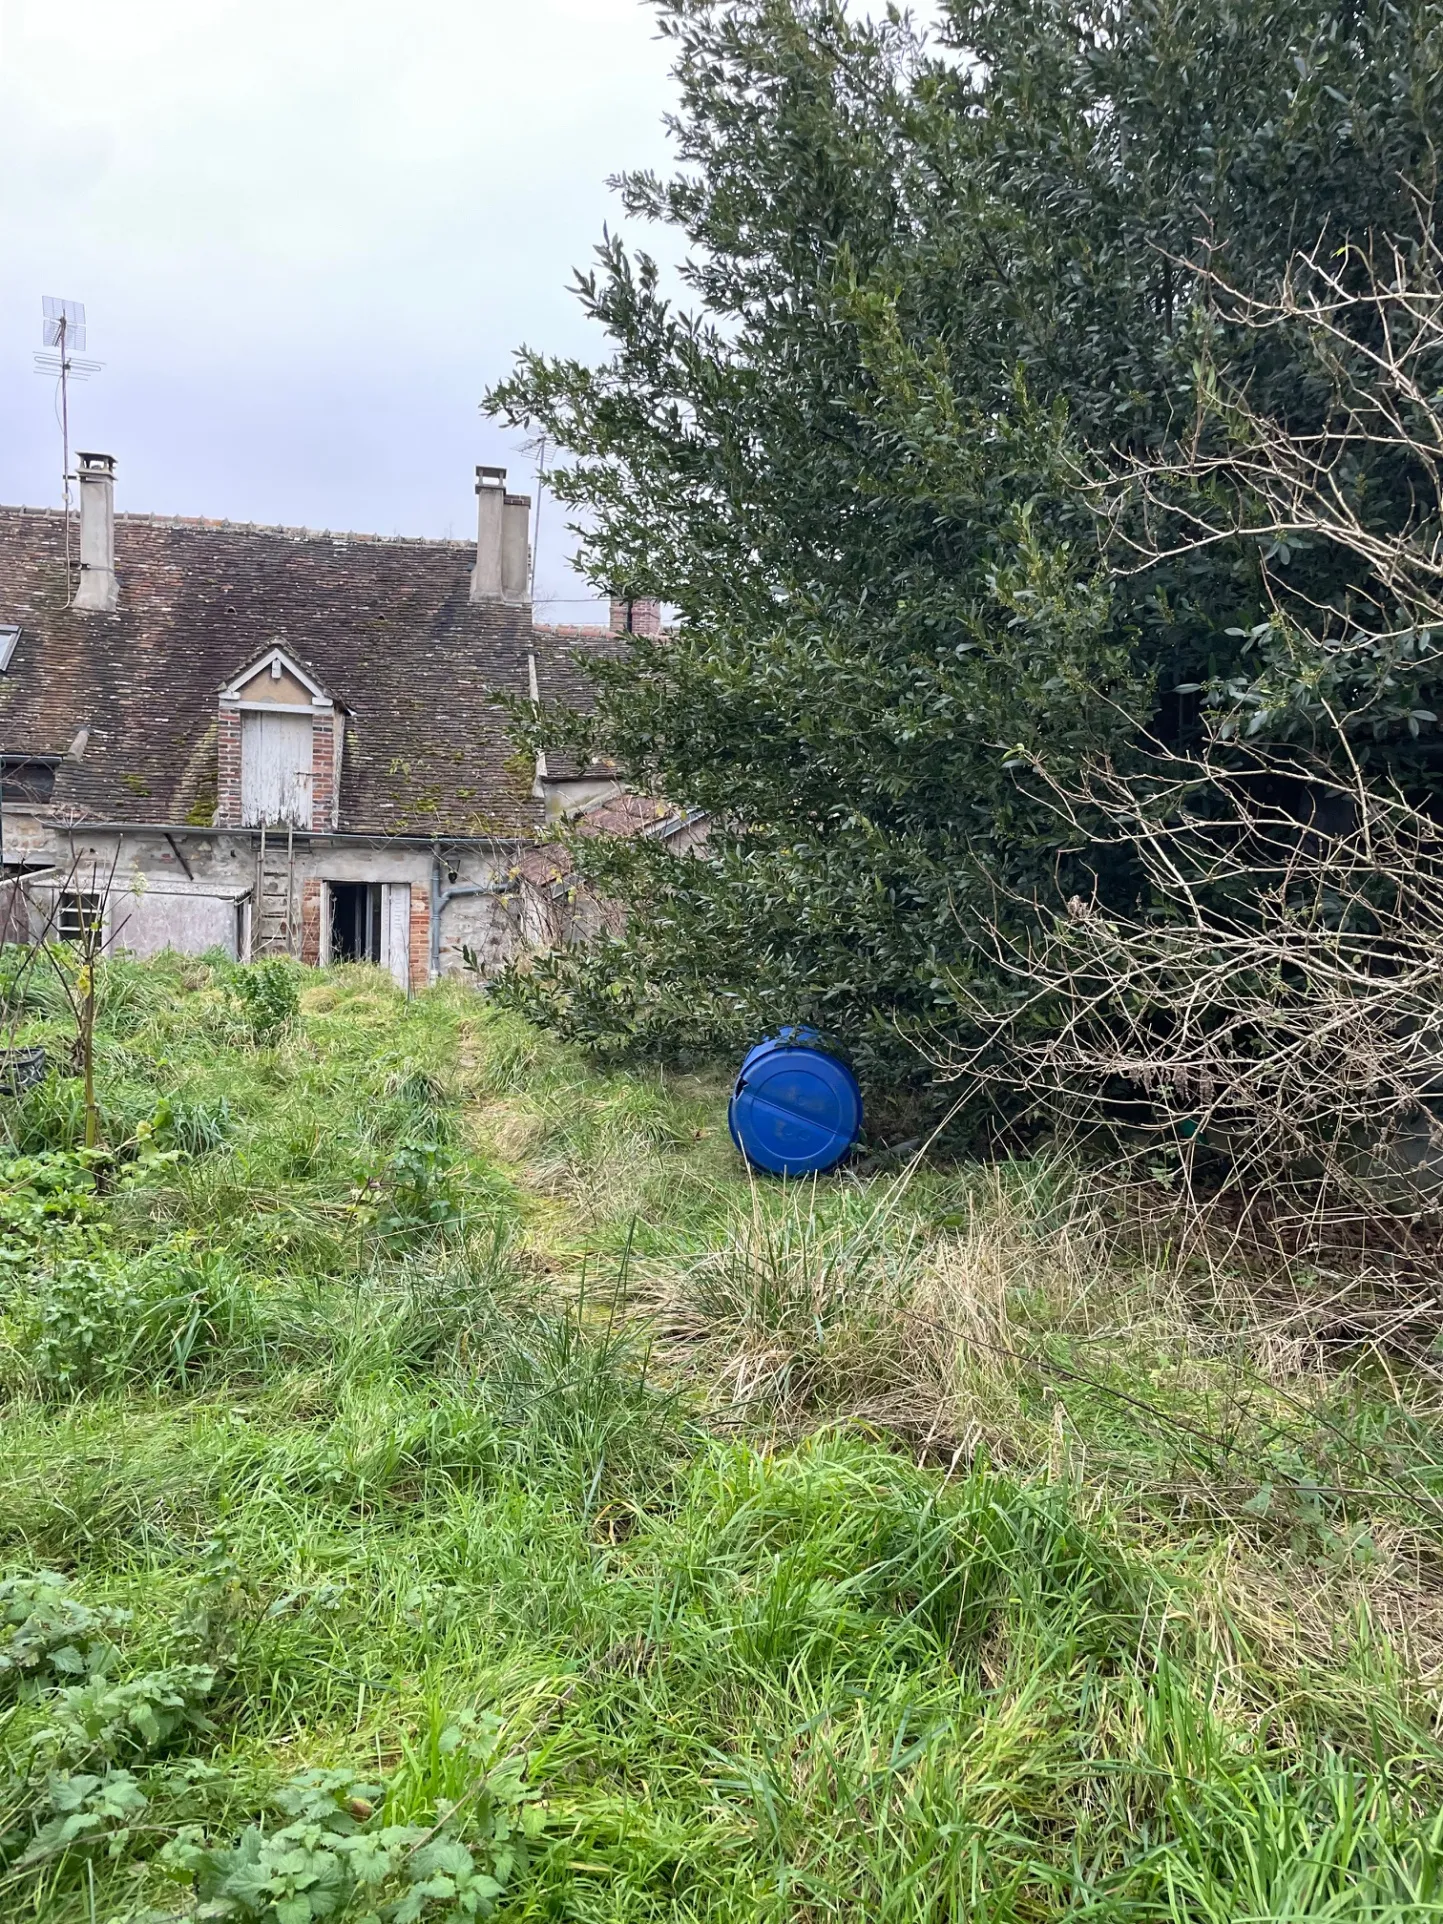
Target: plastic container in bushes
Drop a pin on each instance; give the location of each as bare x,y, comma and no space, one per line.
796,1109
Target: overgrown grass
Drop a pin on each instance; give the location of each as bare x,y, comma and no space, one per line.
397,1400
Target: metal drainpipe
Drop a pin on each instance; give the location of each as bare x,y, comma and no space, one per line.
441,896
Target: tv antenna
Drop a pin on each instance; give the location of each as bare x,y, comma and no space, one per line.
540,492
60,360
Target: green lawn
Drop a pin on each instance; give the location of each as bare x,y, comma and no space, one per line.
435,1484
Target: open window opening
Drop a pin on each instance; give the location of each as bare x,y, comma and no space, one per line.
78,912
355,921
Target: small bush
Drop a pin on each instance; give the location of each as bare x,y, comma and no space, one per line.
46,1201
420,1194
49,1637
269,997
128,1717
76,1810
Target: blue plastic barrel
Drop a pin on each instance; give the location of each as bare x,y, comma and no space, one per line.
796,1109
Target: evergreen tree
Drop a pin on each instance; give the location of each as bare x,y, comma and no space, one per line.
930,290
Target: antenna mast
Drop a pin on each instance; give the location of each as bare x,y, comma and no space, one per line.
64,332
540,491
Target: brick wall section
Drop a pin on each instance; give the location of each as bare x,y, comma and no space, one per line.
420,937
323,767
645,618
311,892
228,768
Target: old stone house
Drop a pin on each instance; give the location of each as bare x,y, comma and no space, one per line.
266,739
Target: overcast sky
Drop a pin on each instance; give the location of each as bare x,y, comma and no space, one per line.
308,233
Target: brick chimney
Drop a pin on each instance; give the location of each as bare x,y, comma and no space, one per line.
486,576
99,591
633,616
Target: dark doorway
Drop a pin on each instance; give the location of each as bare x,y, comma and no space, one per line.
355,921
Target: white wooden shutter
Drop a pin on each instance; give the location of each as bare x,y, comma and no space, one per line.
397,947
275,770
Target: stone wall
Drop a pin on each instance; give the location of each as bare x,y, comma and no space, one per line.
190,895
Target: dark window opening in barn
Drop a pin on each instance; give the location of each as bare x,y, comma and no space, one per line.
355,921
76,912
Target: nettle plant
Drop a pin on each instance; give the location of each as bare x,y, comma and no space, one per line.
97,1320
49,1637
335,1854
86,1731
47,1202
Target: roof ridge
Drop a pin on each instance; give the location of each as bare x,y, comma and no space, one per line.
222,524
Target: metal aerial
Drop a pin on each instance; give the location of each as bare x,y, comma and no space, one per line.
61,360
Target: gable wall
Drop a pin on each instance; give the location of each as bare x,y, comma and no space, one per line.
281,690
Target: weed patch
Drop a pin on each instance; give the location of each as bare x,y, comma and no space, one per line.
437,1484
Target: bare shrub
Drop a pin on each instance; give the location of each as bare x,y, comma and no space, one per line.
1249,1005
1360,479
1268,1026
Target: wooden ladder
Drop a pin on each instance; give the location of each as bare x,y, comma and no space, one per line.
275,896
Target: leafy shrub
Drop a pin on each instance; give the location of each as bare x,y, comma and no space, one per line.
46,1201
337,1850
95,1322
420,1192
68,1790
269,997
107,1718
80,1808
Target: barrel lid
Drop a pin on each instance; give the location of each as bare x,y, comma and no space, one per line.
796,1109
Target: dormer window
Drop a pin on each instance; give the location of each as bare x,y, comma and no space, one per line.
280,748
9,642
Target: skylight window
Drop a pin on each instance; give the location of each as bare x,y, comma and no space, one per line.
9,641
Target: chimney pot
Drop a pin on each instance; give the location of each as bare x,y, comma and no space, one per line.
99,591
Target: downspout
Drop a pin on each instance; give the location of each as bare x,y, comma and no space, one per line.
439,899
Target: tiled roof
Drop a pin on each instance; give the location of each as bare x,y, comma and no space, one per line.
561,678
386,626
551,863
